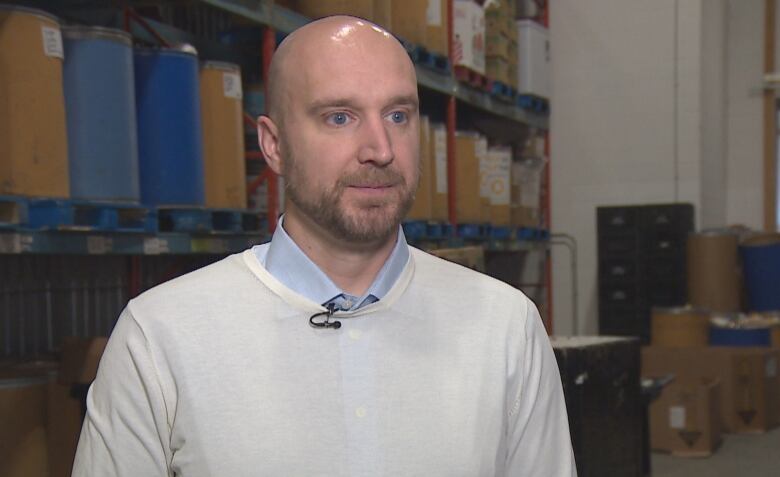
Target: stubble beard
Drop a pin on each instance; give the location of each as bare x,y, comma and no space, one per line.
365,221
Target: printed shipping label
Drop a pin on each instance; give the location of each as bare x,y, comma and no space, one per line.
771,367
52,42
677,417
433,15
232,85
440,145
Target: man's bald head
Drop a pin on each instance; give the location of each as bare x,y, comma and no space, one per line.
335,35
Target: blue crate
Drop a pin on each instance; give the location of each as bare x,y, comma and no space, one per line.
439,230
14,211
132,218
500,233
50,214
473,231
502,91
533,103
184,219
415,229
227,220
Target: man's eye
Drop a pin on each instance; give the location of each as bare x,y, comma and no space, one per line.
338,119
398,117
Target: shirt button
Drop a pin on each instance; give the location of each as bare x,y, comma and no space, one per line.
360,412
348,303
355,334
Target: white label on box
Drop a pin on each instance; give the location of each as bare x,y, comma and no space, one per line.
152,246
52,42
10,243
771,367
494,171
433,15
440,158
677,417
231,82
98,245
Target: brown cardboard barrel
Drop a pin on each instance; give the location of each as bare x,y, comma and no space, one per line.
714,281
680,327
23,412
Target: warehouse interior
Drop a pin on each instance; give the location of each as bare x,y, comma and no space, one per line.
615,161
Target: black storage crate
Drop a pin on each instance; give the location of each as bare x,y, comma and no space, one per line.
642,264
601,384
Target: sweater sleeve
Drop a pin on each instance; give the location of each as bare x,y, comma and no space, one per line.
538,438
126,431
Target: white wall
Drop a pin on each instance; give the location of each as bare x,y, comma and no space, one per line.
650,104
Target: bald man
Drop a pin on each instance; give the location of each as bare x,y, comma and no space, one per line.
336,349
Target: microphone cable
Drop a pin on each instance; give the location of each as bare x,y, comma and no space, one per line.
326,323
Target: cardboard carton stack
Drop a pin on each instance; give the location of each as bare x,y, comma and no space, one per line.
436,32
42,405
526,180
430,202
501,42
469,35
472,207
495,169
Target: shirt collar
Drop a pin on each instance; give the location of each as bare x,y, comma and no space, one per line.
288,264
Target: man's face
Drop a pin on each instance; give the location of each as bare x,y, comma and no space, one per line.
350,138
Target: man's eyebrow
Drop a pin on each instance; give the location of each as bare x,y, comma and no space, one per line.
326,103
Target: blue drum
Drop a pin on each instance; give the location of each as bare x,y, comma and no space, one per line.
761,264
170,143
100,106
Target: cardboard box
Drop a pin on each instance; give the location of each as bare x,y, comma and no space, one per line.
494,172
748,376
527,182
496,44
23,447
80,359
422,209
383,14
497,69
440,201
468,201
685,419
322,8
437,33
469,35
524,216
64,428
409,20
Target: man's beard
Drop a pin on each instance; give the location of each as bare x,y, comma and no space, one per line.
368,220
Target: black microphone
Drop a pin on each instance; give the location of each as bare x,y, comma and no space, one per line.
326,323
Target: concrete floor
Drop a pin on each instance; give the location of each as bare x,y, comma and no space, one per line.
740,455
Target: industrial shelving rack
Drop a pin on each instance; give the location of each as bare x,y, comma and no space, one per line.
146,259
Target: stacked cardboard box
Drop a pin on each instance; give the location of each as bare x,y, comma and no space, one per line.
408,20
422,209
469,35
733,388
470,205
439,187
378,11
526,180
437,33
501,42
495,169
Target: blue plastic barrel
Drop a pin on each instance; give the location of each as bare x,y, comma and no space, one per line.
761,268
740,336
170,143
100,106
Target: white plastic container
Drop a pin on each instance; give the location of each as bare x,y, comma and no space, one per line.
533,62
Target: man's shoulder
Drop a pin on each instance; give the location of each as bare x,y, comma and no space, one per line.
442,272
217,279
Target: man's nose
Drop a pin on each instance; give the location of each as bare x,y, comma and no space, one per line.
376,145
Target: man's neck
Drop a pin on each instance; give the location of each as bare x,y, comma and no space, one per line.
352,268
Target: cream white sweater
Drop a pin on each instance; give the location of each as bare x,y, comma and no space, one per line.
218,373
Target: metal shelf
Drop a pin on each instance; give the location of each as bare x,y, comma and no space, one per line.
102,243
285,21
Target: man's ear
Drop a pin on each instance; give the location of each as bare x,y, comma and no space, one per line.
270,143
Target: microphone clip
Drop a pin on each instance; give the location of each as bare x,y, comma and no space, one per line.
326,323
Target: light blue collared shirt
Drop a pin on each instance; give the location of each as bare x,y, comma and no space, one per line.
287,263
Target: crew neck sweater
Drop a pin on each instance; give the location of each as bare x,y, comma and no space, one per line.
218,373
